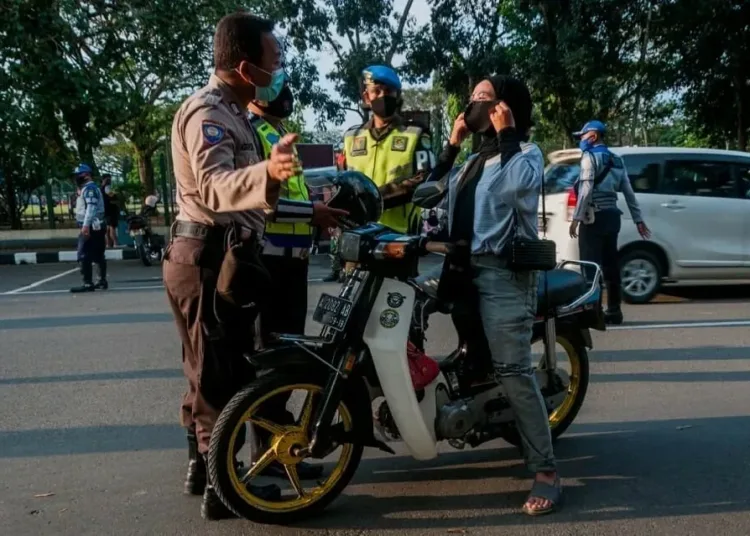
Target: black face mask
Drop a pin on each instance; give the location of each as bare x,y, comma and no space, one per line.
282,107
477,117
385,107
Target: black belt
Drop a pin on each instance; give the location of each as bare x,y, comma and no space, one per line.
209,233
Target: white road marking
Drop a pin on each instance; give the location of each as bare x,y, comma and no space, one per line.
677,325
63,291
41,282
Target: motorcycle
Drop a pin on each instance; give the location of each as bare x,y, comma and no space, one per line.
360,357
148,245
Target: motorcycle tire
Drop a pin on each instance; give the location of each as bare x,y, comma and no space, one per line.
354,408
579,360
140,249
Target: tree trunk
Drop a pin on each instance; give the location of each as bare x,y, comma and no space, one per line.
10,195
146,169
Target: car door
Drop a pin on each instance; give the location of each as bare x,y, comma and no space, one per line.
742,172
698,200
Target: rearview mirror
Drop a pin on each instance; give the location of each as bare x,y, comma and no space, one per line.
429,194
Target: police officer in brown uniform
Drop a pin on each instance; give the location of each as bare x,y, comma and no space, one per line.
225,188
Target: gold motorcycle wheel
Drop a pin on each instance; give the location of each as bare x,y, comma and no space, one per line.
286,446
564,415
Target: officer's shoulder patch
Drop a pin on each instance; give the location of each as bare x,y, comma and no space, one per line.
352,130
426,141
399,143
213,132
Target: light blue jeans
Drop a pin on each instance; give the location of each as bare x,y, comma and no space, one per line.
507,305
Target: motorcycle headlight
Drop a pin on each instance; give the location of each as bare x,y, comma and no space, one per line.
349,245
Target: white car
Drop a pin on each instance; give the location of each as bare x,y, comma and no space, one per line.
696,202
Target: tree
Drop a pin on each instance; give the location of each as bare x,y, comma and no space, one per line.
431,99
584,58
709,43
462,43
356,32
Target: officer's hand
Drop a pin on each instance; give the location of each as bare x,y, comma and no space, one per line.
573,229
502,117
643,231
283,163
326,216
86,231
460,131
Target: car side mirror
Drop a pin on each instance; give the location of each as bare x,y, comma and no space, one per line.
429,194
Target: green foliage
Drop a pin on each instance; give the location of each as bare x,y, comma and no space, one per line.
709,44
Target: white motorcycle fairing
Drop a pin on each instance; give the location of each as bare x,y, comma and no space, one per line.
387,334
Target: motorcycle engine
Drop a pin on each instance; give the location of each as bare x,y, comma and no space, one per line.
455,419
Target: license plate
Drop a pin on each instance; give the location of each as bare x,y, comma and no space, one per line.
333,312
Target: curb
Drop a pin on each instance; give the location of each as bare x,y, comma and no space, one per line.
48,257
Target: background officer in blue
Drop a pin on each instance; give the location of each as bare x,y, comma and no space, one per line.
596,221
91,220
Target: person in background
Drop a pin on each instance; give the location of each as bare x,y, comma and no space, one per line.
596,220
91,241
394,153
149,204
286,252
111,210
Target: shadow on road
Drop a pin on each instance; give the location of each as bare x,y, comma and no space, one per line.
621,471
705,293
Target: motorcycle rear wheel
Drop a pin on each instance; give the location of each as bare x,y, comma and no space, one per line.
565,413
230,487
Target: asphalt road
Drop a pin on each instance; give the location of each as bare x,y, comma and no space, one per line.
90,443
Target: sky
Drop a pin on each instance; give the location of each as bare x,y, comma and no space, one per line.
420,11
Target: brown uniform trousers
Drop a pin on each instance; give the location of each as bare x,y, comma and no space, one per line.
212,355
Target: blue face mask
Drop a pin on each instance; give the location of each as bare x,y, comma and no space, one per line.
585,145
271,91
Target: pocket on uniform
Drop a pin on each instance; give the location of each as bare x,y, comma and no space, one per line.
182,280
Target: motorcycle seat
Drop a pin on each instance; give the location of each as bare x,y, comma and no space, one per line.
563,287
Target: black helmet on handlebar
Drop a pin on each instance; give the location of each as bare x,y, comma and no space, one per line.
357,194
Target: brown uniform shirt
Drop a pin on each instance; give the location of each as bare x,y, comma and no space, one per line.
218,161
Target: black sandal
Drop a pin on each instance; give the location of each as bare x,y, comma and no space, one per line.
542,490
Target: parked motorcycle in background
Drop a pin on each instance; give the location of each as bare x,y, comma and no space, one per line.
148,245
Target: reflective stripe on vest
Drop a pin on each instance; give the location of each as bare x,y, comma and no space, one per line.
384,161
284,235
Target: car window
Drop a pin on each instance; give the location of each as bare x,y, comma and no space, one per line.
561,176
643,171
701,179
743,174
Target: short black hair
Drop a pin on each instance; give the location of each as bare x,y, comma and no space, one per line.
238,37
106,176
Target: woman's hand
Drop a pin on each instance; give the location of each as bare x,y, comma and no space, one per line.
460,131
502,117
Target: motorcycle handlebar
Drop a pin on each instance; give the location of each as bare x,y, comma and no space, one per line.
442,248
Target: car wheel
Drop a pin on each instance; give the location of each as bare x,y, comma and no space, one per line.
641,274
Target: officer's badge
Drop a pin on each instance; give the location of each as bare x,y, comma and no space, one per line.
399,143
359,146
213,133
426,142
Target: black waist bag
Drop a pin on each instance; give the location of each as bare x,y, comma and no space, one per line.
525,254
529,254
243,279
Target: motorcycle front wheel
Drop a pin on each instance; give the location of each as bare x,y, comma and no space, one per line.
564,415
287,439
